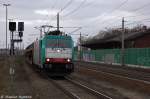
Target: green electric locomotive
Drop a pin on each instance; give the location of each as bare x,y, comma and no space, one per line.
52,53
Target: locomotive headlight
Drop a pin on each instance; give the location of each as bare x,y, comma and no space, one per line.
68,60
47,59
58,51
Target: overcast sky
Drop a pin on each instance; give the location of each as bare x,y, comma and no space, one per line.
91,15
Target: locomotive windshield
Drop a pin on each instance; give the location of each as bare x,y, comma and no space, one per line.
59,43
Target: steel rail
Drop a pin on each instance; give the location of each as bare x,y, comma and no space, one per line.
100,95
115,75
73,95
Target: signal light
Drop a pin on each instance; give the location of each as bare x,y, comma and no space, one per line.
12,26
20,26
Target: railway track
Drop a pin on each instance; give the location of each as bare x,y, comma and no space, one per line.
120,76
78,91
118,72
126,81
74,89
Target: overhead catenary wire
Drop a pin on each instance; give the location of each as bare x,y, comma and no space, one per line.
118,7
123,3
67,5
147,19
135,10
137,15
126,24
139,8
113,22
75,30
135,22
77,8
64,7
110,12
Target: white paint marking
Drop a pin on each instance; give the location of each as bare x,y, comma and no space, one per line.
75,95
11,71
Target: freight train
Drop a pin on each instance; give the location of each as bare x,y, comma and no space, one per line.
52,53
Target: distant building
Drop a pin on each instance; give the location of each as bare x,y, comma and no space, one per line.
132,40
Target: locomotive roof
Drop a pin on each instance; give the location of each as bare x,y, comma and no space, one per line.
52,37
58,37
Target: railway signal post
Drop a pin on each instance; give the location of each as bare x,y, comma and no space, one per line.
12,28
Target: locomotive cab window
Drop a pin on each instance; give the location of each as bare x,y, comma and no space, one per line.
59,43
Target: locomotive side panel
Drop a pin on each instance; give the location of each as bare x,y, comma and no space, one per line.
36,54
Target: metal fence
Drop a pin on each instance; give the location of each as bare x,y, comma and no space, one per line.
132,56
